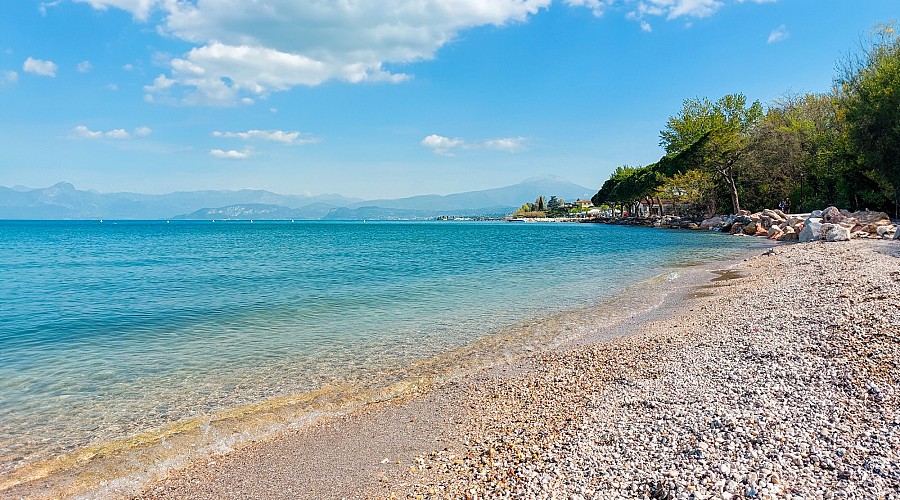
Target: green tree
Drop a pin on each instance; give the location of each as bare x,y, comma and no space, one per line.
870,91
711,136
693,188
628,186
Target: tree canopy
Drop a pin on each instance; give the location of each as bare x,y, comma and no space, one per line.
839,148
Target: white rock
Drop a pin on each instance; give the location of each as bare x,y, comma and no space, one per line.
837,233
812,230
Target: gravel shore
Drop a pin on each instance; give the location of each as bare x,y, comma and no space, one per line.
778,379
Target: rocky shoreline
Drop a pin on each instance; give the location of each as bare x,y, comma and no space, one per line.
778,379
830,224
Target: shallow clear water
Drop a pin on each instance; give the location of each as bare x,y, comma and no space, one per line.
108,329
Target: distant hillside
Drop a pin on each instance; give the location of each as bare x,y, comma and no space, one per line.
64,201
242,212
508,196
381,213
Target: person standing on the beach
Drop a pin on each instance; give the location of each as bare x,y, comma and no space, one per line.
787,205
781,205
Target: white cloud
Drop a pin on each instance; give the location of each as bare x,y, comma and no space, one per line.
85,67
446,146
508,144
39,67
270,135
86,133
128,67
675,9
244,51
251,49
779,34
140,9
230,154
597,7
10,77
442,145
82,132
118,133
42,8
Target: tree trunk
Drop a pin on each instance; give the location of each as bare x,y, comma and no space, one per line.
735,200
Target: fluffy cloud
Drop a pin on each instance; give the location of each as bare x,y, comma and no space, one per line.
442,145
446,146
82,132
39,67
508,144
231,154
270,135
673,9
256,48
84,67
140,9
597,7
779,34
243,51
10,77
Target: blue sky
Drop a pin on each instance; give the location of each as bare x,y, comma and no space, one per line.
384,99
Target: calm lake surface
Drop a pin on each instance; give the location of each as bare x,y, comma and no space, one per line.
116,328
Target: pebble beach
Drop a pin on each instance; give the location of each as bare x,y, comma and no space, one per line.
775,378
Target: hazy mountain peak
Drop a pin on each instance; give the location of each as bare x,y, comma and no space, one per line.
64,186
546,178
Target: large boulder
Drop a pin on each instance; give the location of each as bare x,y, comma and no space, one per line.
870,221
789,234
897,234
832,215
712,222
789,237
794,221
776,215
835,232
812,230
886,231
750,228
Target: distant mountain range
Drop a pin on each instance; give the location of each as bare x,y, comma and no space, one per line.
63,201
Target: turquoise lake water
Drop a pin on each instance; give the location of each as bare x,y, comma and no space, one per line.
115,328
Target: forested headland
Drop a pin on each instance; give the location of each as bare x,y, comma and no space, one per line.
838,148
